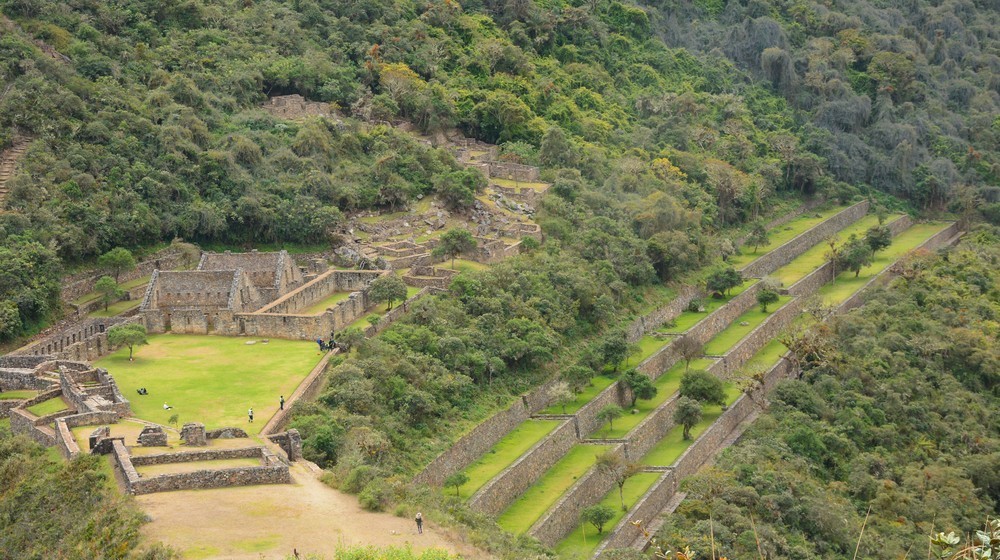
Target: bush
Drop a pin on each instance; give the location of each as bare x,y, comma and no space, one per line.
358,478
375,496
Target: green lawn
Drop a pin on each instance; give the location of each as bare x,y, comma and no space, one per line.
505,452
523,513
124,285
116,308
48,407
211,379
846,284
735,331
766,357
322,306
673,444
666,385
380,309
644,348
816,256
583,541
463,265
511,184
783,234
18,394
597,384
688,319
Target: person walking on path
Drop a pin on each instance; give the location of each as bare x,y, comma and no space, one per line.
281,403
420,523
250,414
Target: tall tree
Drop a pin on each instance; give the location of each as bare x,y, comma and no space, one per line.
640,384
117,261
387,288
453,243
109,290
687,414
129,334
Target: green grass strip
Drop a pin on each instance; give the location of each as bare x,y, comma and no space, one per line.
736,330
523,513
583,541
379,310
597,384
688,319
785,233
85,298
505,452
766,357
670,448
116,308
50,406
846,284
666,385
18,394
324,304
816,256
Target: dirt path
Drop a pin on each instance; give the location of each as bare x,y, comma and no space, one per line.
267,522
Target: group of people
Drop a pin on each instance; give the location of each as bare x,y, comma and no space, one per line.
142,391
332,345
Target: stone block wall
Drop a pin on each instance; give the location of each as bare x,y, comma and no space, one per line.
136,293
84,341
564,516
14,379
652,429
784,254
13,361
307,390
899,225
812,281
512,171
507,486
204,289
271,471
759,337
586,418
26,423
652,320
81,284
322,287
65,443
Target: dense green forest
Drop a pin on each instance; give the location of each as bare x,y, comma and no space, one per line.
896,410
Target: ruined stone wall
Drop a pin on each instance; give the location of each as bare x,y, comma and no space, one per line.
786,253
83,341
26,423
507,486
64,441
13,361
512,171
322,287
564,516
14,379
200,455
203,289
272,470
396,313
79,285
652,320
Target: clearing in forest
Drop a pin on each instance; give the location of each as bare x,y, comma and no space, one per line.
211,379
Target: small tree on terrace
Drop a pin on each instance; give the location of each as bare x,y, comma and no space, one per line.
723,280
618,470
687,414
855,255
453,243
765,297
117,261
878,238
560,394
131,335
641,385
109,290
387,288
702,386
598,516
689,348
458,189
614,349
609,413
456,481
758,236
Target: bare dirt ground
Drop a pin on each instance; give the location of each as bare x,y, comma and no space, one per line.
268,522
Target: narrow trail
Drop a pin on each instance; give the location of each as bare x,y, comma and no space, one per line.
8,163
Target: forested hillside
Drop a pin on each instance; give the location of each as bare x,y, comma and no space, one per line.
896,411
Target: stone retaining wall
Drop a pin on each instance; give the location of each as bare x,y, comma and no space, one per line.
85,341
504,488
652,320
272,470
15,379
812,281
81,284
65,443
307,390
586,418
201,455
24,422
394,314
132,294
564,516
787,252
322,287
652,429
756,339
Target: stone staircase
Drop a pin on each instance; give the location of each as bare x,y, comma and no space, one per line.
8,163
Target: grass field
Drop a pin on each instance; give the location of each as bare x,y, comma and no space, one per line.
511,184
732,334
523,513
597,384
189,466
783,234
644,348
322,306
583,541
211,379
666,452
116,308
666,385
18,394
835,293
48,407
505,452
816,256
766,356
688,319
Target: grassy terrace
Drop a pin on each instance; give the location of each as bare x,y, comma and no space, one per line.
505,452
116,308
380,309
322,306
666,452
189,466
785,233
48,407
124,285
766,357
511,184
583,541
835,293
523,513
18,394
666,385
688,319
211,379
597,384
816,256
736,331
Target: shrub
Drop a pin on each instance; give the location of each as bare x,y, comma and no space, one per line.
375,496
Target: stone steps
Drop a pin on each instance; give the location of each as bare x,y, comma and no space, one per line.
8,163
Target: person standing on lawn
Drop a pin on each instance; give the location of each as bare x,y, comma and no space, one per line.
281,403
250,414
